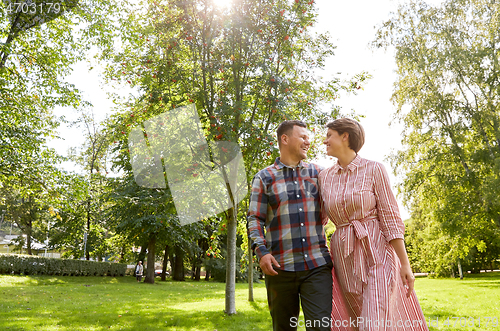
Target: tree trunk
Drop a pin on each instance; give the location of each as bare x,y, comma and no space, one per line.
460,269
29,229
231,263
87,257
197,277
250,271
171,257
207,275
197,260
164,267
122,255
150,270
178,272
142,253
195,270
203,244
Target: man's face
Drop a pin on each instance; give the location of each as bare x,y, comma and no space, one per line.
298,142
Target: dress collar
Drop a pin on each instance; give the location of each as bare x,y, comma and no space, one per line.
350,167
279,165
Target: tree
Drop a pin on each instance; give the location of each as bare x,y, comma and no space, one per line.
36,54
93,158
30,194
246,68
447,97
67,233
147,218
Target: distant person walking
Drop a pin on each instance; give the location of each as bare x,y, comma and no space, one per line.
139,271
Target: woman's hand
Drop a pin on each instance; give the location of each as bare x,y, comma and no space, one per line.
408,279
406,273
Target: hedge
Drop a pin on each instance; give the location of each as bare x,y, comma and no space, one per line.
37,265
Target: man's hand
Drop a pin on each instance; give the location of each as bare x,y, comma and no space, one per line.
266,264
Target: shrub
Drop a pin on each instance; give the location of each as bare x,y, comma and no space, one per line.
33,265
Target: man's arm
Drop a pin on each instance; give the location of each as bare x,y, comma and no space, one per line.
323,214
257,215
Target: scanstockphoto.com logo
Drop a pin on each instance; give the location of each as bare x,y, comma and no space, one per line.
359,322
171,150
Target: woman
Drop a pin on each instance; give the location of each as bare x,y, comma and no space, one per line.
139,270
371,267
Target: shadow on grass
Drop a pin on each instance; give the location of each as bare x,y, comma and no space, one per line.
256,306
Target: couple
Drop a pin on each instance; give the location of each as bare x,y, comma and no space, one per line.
365,282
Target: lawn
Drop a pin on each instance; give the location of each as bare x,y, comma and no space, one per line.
473,299
44,303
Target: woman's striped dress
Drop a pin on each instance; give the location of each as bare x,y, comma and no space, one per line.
370,294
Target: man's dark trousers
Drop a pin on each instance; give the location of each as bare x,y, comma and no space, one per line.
314,290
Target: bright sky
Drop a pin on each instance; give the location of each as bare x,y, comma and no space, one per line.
352,27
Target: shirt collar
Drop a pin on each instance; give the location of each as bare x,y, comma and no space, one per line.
279,165
351,166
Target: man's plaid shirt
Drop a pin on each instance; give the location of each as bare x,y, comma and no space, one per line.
286,203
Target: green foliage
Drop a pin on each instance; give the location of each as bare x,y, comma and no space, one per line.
33,65
246,68
447,98
218,266
28,196
66,231
35,59
35,265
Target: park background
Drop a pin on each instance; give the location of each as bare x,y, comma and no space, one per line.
447,168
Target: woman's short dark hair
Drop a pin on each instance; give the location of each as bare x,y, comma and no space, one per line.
286,127
353,128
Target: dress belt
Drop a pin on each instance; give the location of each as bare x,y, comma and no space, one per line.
358,244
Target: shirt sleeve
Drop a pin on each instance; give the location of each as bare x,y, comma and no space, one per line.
391,224
257,215
323,214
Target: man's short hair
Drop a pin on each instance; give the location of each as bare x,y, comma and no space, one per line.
286,127
353,128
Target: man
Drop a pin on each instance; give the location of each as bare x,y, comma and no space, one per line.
285,226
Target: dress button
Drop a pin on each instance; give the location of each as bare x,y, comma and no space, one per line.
298,195
305,255
303,239
295,182
300,209
301,224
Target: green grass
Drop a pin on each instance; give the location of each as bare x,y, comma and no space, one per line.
106,303
476,296
44,303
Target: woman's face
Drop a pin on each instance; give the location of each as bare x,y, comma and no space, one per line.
334,142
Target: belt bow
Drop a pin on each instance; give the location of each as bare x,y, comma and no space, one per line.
357,242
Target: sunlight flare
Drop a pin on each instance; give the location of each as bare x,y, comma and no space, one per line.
222,3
